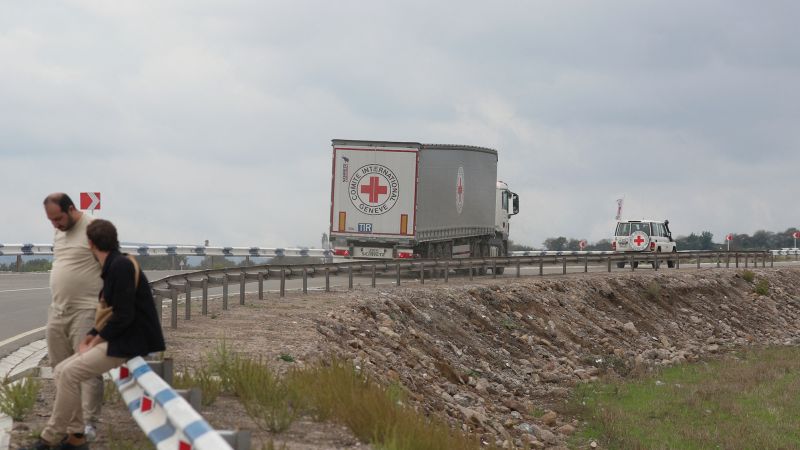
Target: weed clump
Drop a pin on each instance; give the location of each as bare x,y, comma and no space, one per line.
762,287
17,399
748,275
653,290
210,385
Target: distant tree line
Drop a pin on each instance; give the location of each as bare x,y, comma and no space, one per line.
760,240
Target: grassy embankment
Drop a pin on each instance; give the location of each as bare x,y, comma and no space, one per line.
748,400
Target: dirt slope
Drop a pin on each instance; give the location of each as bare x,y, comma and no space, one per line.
492,356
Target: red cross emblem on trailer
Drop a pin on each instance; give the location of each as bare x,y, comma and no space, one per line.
460,190
373,189
639,240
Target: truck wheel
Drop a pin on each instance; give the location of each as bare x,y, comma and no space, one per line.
500,270
483,250
635,264
621,264
671,262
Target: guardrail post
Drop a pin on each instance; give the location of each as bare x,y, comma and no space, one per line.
541,266
19,263
655,266
305,280
350,277
677,260
719,260
519,270
173,314
727,260
188,307
239,440
283,281
737,259
159,300
398,274
422,273
327,279
565,265
261,285
205,296
586,264
632,266
242,281
446,271
469,264
746,260
374,275
225,291
494,268
608,260
764,261
772,260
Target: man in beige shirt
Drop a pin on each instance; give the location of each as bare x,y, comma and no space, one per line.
75,284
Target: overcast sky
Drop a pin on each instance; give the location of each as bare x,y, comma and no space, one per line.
212,120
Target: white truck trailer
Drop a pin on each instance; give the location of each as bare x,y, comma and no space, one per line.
396,200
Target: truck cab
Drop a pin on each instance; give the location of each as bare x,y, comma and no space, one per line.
507,205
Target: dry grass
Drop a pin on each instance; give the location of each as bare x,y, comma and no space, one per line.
334,391
750,401
762,287
653,290
337,391
210,385
17,399
748,275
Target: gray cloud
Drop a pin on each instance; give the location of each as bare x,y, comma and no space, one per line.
199,120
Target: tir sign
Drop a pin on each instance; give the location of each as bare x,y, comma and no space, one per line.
90,201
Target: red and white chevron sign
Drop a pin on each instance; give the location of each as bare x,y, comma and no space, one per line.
90,201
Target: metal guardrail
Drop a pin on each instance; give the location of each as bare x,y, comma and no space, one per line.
786,252
182,285
178,250
167,419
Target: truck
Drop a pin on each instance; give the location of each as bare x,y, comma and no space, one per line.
400,200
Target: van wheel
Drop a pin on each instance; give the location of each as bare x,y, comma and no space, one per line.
657,257
635,264
621,264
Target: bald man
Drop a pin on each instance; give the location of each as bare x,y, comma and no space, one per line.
75,284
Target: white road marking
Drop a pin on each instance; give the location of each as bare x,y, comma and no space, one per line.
21,335
28,289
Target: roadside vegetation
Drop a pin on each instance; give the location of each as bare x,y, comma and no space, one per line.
17,399
332,390
748,400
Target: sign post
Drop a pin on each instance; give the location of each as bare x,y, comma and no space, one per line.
582,244
90,201
796,236
729,238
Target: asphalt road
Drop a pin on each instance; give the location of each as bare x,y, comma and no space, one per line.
24,297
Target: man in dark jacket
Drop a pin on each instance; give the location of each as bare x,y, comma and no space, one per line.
132,330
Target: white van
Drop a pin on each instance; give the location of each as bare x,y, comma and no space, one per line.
644,236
